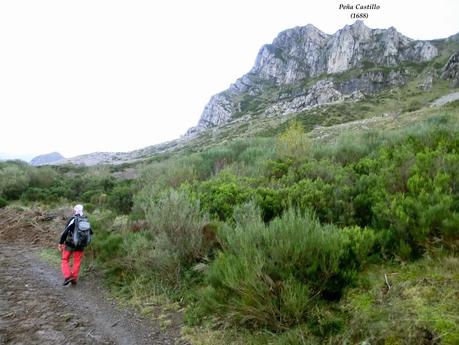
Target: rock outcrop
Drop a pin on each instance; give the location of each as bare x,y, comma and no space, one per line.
451,70
304,53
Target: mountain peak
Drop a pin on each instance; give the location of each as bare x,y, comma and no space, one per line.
302,53
358,24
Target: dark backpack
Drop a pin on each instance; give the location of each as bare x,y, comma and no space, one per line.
82,232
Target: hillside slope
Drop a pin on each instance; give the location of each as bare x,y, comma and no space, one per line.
320,79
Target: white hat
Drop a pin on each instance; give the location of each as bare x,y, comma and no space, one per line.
78,209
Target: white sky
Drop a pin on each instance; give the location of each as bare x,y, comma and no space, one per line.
107,75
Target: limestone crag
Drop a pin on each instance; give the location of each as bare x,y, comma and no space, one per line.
219,109
303,53
451,70
294,55
307,52
372,82
323,92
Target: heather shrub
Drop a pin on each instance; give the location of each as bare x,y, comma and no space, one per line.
219,195
120,198
216,159
424,204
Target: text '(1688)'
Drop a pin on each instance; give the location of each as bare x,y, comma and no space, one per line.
359,15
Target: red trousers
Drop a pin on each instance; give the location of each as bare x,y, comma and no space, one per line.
71,272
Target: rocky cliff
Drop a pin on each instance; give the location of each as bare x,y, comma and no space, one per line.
451,70
310,64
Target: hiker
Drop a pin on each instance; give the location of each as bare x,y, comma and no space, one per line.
72,243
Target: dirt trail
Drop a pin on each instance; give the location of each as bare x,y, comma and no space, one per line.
36,309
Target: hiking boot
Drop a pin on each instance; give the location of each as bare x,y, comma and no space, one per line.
67,281
74,282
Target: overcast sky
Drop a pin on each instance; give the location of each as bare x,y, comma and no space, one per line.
106,75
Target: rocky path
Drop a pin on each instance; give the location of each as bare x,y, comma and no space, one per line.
36,309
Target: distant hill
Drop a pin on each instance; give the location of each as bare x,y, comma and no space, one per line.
48,158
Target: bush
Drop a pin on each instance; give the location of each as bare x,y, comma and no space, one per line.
14,180
269,276
413,195
293,143
120,199
170,173
177,226
219,196
42,177
35,194
139,256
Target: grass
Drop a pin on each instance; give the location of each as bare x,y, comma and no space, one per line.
421,307
51,256
422,303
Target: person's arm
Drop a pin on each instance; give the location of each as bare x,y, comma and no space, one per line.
68,227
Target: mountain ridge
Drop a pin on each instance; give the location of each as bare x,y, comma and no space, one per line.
303,53
304,69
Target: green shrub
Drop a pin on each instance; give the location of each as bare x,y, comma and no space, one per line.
3,202
120,199
218,196
91,195
42,177
139,253
270,276
170,173
293,143
14,180
35,194
414,195
177,225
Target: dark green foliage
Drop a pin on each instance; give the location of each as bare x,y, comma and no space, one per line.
120,199
272,202
219,196
278,168
3,202
36,194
